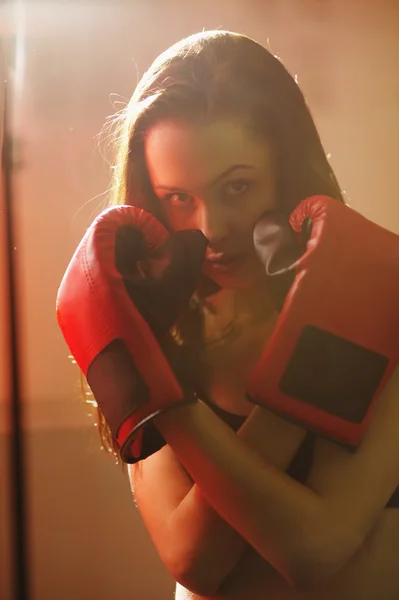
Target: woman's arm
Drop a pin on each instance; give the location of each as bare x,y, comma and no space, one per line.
306,534
213,546
268,508
195,543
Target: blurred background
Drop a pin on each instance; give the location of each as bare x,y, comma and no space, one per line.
80,62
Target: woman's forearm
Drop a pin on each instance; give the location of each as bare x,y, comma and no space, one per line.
215,548
212,546
272,512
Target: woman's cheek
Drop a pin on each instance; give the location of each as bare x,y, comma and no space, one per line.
179,222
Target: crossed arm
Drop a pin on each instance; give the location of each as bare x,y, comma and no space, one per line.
307,533
197,545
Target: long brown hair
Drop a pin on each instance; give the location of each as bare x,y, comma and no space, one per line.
210,75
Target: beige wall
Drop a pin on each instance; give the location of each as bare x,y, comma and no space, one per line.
86,537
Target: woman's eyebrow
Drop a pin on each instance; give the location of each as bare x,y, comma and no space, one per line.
211,184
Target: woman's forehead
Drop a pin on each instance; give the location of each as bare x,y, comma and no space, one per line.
202,151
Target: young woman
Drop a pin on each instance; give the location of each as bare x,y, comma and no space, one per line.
240,503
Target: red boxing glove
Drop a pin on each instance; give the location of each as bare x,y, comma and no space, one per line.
123,290
336,341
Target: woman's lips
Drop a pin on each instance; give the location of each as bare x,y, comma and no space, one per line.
220,260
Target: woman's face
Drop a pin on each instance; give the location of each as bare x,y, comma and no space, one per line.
218,178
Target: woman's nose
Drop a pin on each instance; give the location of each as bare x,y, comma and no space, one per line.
213,224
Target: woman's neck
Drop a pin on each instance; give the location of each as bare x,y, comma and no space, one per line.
230,310
237,327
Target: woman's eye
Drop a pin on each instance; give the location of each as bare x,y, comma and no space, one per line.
178,199
236,188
